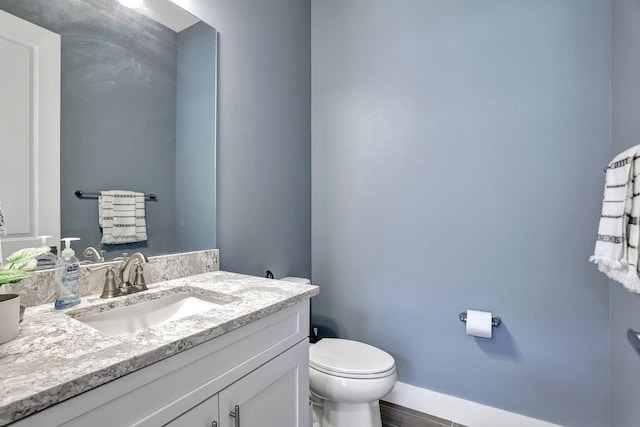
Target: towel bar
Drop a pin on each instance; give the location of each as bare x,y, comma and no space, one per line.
634,339
81,194
495,320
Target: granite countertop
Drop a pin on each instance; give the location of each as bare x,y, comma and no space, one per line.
56,357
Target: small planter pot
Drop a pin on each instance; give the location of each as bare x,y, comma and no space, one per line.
9,316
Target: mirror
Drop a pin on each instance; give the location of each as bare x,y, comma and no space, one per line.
138,113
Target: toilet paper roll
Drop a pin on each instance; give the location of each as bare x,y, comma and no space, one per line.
479,323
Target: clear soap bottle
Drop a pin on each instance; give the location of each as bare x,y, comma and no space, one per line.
67,277
47,259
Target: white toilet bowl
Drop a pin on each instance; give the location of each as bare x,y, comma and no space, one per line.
346,379
349,377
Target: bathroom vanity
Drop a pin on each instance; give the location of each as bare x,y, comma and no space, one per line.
241,361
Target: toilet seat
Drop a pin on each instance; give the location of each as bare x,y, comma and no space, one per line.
350,359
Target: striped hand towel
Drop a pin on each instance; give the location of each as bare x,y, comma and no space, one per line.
3,232
3,224
121,214
616,251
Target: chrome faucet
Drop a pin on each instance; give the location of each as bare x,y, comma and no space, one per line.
92,252
138,282
111,289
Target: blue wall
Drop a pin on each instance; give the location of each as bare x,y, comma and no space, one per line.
264,133
457,155
196,138
625,307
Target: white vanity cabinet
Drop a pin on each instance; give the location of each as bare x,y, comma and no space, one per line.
203,415
267,397
259,372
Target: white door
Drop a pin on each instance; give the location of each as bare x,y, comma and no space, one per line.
274,395
29,133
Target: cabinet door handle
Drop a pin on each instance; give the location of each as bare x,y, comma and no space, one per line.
236,414
214,424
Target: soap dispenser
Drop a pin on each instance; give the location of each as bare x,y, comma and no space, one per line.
47,259
67,277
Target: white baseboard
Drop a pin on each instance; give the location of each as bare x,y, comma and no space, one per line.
458,410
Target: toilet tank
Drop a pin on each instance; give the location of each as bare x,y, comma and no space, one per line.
300,280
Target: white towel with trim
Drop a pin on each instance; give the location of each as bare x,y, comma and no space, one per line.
121,214
616,251
3,225
3,232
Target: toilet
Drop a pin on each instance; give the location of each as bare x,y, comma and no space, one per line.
347,378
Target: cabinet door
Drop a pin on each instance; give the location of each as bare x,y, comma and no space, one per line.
204,414
274,395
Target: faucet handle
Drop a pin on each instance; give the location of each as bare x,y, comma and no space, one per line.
98,267
124,257
110,289
139,281
92,252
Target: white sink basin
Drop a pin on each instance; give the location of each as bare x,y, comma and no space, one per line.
133,318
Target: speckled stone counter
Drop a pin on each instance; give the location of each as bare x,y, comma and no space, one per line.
40,288
56,357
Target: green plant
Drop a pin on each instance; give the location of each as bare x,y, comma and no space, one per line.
20,265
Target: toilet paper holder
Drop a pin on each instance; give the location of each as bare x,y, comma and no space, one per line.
634,339
495,320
